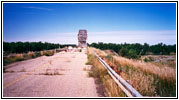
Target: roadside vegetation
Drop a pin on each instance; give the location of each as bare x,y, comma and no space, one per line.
135,51
100,73
24,56
18,51
145,76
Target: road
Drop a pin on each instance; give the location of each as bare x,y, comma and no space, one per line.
60,75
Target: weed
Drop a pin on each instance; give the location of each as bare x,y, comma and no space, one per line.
9,71
23,70
51,72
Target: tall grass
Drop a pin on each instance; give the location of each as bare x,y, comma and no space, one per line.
111,89
24,56
11,59
147,78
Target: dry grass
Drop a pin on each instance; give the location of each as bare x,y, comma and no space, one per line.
51,72
147,78
23,70
163,72
47,53
24,56
11,59
111,89
9,71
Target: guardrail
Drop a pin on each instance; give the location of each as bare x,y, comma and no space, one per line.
126,87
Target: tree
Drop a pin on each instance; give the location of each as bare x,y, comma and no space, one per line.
132,54
137,48
123,52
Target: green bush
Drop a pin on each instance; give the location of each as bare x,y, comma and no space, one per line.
123,52
132,54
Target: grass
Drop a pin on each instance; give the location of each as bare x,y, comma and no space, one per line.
51,72
8,60
24,56
91,58
9,71
171,64
149,59
48,53
23,70
111,89
147,78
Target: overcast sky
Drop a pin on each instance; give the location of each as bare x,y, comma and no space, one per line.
105,22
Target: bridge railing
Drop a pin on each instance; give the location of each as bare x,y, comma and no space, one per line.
125,87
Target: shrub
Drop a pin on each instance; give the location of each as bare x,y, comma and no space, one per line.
31,54
148,59
48,53
132,54
123,52
37,54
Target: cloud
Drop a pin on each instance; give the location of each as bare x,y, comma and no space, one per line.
39,8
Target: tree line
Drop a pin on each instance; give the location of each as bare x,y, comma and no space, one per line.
137,49
23,47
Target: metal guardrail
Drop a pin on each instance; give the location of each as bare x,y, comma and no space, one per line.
126,87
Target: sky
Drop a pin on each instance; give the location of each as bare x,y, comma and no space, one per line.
150,23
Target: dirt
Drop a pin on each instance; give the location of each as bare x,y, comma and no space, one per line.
60,75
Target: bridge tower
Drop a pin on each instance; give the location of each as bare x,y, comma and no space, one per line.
82,37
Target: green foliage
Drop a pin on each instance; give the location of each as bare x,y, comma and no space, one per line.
123,52
132,54
135,50
24,47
